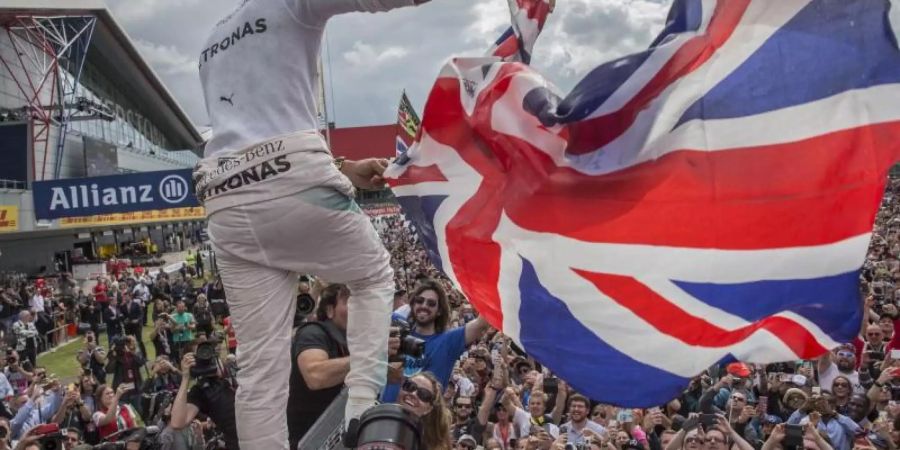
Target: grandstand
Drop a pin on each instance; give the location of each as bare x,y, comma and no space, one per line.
78,100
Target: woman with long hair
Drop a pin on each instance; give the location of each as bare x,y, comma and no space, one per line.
421,395
112,414
842,389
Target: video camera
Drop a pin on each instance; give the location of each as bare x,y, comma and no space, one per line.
206,360
409,345
306,304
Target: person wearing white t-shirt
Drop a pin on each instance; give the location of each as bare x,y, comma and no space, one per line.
278,204
841,361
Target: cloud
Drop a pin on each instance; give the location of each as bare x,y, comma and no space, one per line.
166,59
366,57
586,33
132,11
371,58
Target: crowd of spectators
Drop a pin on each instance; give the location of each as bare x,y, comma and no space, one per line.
471,386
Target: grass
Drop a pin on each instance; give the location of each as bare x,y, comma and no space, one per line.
62,362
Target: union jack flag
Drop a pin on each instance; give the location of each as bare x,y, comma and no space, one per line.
707,200
528,18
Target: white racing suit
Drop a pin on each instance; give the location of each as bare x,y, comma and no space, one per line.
278,209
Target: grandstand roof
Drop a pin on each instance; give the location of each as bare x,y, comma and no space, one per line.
377,141
113,53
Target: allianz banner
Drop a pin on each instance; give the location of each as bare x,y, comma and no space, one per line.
140,191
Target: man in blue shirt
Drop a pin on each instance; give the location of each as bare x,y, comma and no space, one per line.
429,315
841,430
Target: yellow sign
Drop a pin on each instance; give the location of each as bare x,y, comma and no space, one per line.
156,215
9,218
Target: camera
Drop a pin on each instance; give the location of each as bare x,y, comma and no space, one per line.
306,304
793,437
409,345
551,385
118,344
206,360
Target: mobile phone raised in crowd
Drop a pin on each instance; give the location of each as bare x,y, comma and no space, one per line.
816,390
763,405
708,421
129,386
895,353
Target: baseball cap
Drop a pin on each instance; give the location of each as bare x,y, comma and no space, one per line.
633,444
738,369
467,438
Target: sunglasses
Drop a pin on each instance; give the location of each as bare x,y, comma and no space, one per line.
423,394
738,398
463,405
693,440
713,440
845,354
466,446
429,302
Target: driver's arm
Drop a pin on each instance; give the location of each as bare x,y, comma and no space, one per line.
314,13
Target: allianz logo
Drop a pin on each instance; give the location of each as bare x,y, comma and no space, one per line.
172,189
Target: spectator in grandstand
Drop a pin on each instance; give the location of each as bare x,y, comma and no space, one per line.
133,321
27,336
113,414
216,295
162,335
92,357
73,414
183,325
203,315
113,318
421,395
429,317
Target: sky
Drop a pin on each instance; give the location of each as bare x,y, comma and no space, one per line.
371,58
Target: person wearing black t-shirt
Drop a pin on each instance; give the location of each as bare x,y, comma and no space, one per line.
213,396
322,361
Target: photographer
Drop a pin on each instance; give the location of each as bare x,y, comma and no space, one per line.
429,316
92,357
125,364
322,361
212,395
